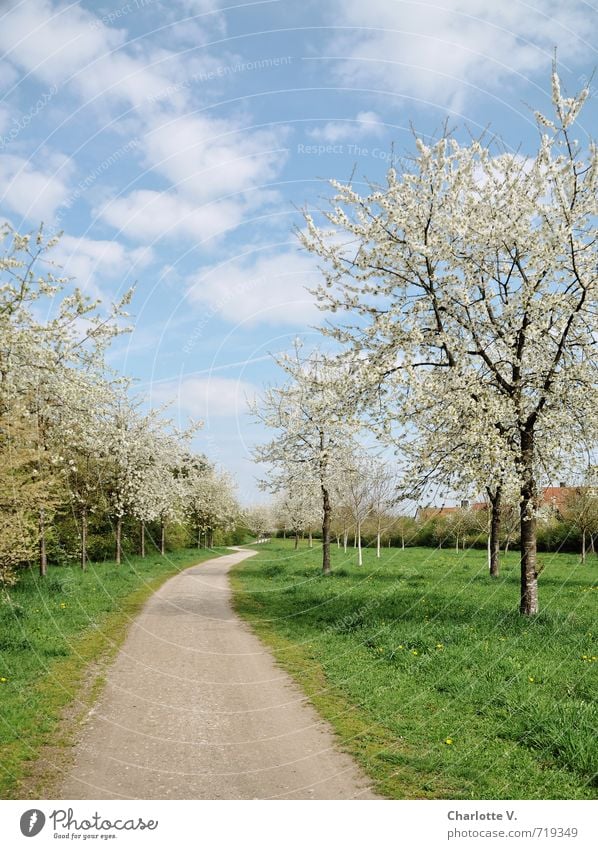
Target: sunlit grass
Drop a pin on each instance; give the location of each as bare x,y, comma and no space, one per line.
429,674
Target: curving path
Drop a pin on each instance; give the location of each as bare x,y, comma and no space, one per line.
196,708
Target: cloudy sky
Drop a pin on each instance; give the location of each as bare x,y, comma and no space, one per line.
174,144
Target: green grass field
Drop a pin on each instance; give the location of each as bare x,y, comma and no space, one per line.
429,675
55,638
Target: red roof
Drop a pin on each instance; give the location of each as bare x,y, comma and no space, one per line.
553,496
557,496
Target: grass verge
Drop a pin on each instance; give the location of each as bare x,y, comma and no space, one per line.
57,636
429,676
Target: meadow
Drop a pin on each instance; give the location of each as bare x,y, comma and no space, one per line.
56,637
427,672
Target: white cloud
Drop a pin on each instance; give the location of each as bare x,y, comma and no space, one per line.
8,75
445,50
63,44
260,289
54,42
150,216
91,261
206,157
31,193
365,123
5,115
206,397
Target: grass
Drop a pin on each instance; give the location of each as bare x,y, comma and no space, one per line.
56,637
430,677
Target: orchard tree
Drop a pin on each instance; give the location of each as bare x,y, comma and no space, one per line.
131,440
405,526
358,488
195,469
581,511
299,505
45,364
383,494
312,415
259,520
24,492
472,276
210,502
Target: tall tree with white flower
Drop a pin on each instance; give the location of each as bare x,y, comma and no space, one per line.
312,416
471,274
45,363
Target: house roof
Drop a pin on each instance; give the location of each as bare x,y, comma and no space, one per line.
557,496
552,496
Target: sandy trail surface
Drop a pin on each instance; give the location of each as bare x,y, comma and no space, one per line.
195,707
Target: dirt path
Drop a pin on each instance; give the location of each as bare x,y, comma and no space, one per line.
196,708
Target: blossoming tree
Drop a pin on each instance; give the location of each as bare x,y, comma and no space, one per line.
471,275
312,417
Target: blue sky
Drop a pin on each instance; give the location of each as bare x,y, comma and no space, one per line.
174,143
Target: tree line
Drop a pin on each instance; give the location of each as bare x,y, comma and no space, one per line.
81,459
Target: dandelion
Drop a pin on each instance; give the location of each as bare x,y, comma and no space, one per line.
449,741
414,651
3,680
531,679
439,646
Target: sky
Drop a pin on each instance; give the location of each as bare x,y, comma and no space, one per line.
175,145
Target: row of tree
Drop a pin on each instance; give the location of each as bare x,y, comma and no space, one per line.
73,439
574,528
461,296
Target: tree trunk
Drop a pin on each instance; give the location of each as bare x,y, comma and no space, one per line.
338,541
162,536
583,546
326,518
296,541
119,530
84,539
529,572
494,536
359,551
199,537
311,541
142,539
43,557
403,542
457,543
345,540
378,536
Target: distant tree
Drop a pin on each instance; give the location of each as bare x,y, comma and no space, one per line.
383,494
259,520
581,511
312,415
